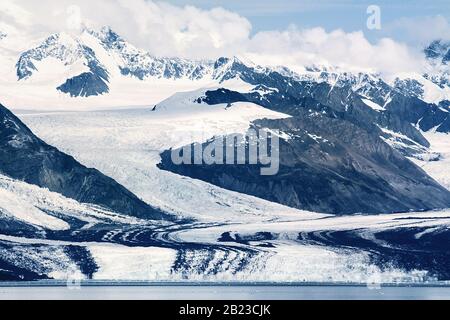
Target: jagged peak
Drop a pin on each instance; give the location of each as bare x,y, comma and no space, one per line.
105,34
63,39
224,64
437,49
108,31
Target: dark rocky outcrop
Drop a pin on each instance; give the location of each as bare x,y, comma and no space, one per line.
328,165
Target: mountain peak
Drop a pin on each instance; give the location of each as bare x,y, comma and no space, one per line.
438,49
65,39
232,60
107,30
60,46
108,37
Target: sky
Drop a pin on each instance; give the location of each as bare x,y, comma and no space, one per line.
294,33
349,15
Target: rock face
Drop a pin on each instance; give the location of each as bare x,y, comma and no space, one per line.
338,104
438,50
328,165
85,85
23,156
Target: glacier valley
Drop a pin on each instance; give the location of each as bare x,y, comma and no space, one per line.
87,193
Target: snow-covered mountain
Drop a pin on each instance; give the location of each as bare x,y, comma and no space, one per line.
107,51
71,52
101,69
347,143
93,57
438,51
103,53
111,72
140,64
438,71
96,69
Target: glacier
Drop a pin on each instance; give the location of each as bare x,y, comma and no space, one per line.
227,236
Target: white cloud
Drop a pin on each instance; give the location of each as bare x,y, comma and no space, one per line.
420,30
336,48
169,30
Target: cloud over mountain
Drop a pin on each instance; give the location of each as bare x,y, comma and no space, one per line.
169,30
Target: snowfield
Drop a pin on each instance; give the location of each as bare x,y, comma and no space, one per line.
373,105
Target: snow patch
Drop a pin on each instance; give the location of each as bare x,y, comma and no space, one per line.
373,105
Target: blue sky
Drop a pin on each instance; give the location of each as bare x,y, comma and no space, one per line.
349,15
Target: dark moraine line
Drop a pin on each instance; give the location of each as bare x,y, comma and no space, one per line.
188,260
191,258
393,248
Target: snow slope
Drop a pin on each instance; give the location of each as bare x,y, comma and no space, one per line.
133,140
438,168
13,206
32,205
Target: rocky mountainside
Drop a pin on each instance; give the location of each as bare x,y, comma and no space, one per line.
141,64
397,117
25,157
327,164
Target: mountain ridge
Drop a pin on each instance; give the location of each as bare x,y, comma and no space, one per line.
103,66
